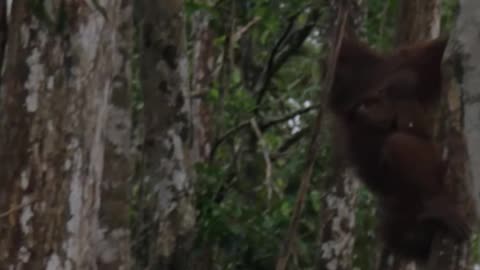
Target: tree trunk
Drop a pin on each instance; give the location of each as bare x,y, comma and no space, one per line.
417,20
167,144
338,218
464,53
61,66
460,132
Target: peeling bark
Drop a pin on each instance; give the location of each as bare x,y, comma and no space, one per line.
57,85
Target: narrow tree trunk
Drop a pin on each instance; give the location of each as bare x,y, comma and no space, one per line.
336,239
338,218
202,112
167,153
60,69
202,77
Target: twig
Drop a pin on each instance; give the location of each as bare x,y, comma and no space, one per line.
240,32
16,208
312,150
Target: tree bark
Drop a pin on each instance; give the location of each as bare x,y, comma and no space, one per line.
417,20
420,20
201,111
167,149
114,244
60,68
338,216
460,132
202,77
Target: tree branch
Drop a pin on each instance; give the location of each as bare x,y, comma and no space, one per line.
292,140
268,163
225,136
263,127
283,50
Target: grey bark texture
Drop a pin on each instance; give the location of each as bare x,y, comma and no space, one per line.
114,244
167,147
202,77
335,250
464,52
59,75
461,129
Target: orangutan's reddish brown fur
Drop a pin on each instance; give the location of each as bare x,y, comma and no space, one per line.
384,106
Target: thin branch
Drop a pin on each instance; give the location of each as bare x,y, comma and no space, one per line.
266,156
297,39
240,32
225,136
270,123
275,61
292,140
313,147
